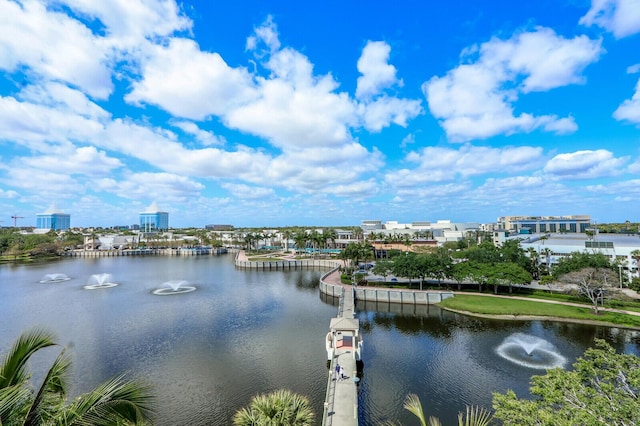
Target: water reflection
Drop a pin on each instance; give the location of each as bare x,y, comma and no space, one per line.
450,360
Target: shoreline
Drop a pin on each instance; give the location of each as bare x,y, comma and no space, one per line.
539,318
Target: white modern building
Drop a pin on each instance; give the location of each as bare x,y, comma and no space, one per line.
541,224
553,247
442,230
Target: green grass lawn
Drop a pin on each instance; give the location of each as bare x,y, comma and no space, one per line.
608,303
501,306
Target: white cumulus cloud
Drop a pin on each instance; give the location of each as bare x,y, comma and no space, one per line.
53,46
190,83
585,164
129,22
629,110
377,73
476,99
245,192
621,17
161,187
435,164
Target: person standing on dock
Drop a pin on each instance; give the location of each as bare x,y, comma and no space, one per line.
338,368
342,376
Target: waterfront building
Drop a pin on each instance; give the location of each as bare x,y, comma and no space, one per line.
110,242
53,219
154,220
543,224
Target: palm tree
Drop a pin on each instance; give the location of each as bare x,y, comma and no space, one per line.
279,408
330,235
286,235
547,254
300,239
534,258
315,239
636,255
116,402
249,239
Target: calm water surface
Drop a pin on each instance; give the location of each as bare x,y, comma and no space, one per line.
242,332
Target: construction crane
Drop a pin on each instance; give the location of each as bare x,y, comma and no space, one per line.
15,220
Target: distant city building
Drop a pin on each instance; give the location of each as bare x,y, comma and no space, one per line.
219,227
545,224
371,225
499,236
53,219
153,220
441,231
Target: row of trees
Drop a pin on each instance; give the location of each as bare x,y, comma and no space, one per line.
14,244
300,237
484,264
489,266
627,227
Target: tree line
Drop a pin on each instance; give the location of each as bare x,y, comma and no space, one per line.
487,266
14,244
483,264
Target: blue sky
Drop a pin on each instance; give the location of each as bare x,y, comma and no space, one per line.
276,113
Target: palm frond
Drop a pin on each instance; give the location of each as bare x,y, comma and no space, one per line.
52,392
14,402
413,404
245,417
475,416
114,401
434,421
13,366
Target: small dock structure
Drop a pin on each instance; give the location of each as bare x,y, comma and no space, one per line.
344,348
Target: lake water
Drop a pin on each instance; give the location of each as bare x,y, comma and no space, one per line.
245,332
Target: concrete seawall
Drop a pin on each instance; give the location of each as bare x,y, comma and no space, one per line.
147,252
242,261
273,265
330,285
414,297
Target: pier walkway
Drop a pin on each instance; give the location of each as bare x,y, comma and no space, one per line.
344,346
